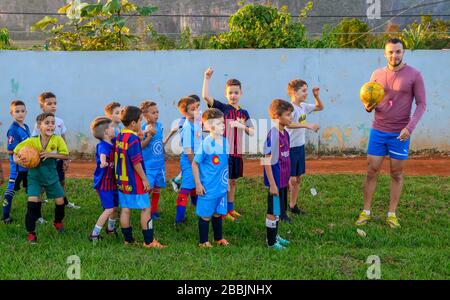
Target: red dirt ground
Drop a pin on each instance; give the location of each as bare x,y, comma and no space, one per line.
423,166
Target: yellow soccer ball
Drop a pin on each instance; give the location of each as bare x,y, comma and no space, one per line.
371,94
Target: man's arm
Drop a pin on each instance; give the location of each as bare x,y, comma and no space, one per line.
421,103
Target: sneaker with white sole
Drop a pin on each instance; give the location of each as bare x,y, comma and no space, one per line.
72,205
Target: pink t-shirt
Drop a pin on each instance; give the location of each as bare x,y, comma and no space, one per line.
400,89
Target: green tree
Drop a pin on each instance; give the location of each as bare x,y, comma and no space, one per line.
99,26
4,38
260,26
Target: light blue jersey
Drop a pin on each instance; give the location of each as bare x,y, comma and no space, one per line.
213,165
191,137
153,154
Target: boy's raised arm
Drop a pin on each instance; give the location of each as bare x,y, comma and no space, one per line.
205,91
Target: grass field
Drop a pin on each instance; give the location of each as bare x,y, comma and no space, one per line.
325,244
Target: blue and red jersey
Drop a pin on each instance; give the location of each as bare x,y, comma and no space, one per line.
277,145
233,135
128,153
104,178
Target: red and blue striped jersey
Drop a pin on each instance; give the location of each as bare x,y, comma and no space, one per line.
104,178
277,145
128,152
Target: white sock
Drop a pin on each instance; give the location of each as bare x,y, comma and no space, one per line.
391,214
367,212
111,224
97,230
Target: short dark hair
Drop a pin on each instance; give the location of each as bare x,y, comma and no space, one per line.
43,116
278,107
98,127
44,96
231,82
110,107
195,97
394,41
294,85
146,104
184,103
211,113
130,114
15,103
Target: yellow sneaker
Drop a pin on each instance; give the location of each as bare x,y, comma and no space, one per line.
392,221
362,219
154,244
205,245
235,214
222,242
229,217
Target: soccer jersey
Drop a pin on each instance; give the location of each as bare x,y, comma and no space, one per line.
104,178
191,137
153,154
128,153
297,135
234,135
60,128
277,145
118,129
213,166
16,134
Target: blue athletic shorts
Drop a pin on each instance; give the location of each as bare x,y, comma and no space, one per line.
386,143
109,199
156,177
297,156
134,201
206,208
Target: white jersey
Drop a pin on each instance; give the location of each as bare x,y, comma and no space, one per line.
297,135
60,128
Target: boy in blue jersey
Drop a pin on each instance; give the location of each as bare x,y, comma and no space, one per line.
17,132
176,181
104,177
237,123
210,168
132,182
153,153
112,111
277,169
191,136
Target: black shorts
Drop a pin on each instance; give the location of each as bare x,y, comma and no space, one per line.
60,169
297,156
15,181
235,167
274,203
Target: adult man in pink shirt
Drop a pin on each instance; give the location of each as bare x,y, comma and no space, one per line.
392,126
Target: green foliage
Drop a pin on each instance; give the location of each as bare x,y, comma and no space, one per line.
4,38
350,33
429,34
99,26
259,26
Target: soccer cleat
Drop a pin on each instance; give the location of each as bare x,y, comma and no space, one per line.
175,185
286,219
155,216
222,242
282,241
392,221
113,231
229,217
72,205
362,219
41,221
155,244
7,220
32,238
296,210
234,214
59,226
205,245
277,246
95,238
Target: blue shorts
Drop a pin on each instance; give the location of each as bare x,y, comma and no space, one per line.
109,199
386,143
206,208
134,201
235,167
297,155
187,177
156,177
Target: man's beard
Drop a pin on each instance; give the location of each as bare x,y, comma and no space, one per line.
396,65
